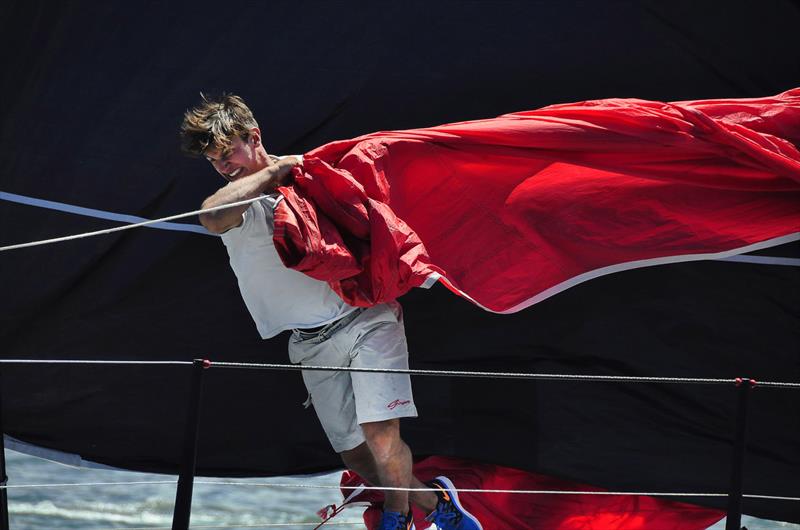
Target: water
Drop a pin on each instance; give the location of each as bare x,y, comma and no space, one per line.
149,506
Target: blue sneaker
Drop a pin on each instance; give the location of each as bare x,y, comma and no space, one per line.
449,514
396,521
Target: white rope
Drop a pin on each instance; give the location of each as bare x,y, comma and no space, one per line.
507,491
502,375
80,361
86,484
778,384
448,373
461,373
262,525
128,226
279,485
772,497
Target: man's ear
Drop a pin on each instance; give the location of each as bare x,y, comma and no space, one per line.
255,136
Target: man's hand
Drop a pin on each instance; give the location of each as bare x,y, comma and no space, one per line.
284,166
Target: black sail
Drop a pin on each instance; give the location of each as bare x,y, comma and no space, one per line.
93,95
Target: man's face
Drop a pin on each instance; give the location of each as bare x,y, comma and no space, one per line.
239,160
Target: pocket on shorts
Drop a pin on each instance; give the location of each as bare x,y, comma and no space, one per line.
300,350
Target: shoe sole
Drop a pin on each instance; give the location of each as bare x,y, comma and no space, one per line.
451,489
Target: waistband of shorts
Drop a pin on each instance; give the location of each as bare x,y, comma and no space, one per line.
329,328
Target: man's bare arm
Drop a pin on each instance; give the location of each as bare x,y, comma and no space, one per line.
249,187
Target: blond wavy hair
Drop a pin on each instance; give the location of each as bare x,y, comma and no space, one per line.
214,123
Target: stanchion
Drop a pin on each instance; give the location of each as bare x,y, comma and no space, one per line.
734,518
183,496
3,476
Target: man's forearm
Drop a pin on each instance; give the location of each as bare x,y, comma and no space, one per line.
250,187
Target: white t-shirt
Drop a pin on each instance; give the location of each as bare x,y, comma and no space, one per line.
278,298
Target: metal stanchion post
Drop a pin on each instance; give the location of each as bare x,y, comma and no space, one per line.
183,496
3,476
734,519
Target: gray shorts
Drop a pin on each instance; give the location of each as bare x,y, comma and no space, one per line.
344,400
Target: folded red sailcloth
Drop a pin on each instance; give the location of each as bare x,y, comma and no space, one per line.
511,210
551,511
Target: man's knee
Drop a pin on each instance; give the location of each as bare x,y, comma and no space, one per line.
357,458
360,460
382,437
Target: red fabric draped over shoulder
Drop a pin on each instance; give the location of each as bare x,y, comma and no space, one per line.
514,209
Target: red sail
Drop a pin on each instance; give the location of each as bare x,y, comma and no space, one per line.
553,511
517,208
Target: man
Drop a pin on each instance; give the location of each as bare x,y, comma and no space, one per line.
360,412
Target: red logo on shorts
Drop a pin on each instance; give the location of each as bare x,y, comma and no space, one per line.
396,403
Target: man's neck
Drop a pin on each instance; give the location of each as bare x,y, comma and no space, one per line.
263,158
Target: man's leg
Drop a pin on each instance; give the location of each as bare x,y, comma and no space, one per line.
392,461
385,460
376,339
